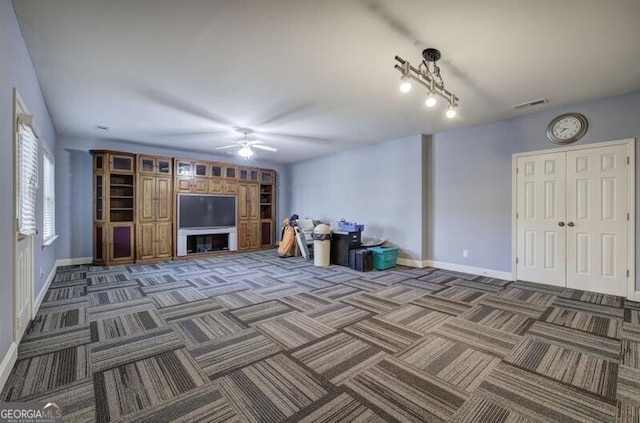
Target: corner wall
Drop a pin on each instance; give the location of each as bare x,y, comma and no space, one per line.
377,185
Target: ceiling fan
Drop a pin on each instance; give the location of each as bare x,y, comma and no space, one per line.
246,145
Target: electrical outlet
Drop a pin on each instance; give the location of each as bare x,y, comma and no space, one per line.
41,272
465,253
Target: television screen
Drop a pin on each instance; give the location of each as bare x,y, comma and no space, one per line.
206,211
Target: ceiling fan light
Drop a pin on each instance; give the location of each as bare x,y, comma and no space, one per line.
245,152
431,100
405,85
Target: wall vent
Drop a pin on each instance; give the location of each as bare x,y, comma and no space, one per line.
530,103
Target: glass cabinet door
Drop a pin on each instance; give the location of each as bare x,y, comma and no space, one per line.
266,176
164,166
121,163
146,164
99,193
184,168
200,169
230,172
216,170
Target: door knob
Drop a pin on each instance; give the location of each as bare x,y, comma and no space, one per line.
570,224
560,223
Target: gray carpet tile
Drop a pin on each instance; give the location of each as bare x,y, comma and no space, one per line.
253,337
340,357
271,389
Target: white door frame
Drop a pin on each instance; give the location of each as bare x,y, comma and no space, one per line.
19,107
631,201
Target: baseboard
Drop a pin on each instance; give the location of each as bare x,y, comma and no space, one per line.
43,291
411,263
469,269
7,364
73,261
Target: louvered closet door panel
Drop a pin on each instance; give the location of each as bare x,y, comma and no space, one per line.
597,205
541,209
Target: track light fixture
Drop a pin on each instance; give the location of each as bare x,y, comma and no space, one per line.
427,75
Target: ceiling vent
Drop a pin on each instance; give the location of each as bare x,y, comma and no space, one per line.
530,103
103,128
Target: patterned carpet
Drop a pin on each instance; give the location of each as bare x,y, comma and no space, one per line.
256,338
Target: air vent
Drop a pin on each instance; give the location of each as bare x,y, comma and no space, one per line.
102,128
530,103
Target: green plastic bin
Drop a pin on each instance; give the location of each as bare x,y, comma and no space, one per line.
384,257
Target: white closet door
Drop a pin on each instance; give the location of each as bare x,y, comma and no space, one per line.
597,219
541,213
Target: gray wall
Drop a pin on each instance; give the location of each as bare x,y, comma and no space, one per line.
471,178
17,71
377,185
74,187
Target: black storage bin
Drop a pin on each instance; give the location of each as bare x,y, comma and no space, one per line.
363,260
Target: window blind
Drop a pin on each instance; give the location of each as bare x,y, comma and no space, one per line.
27,175
48,196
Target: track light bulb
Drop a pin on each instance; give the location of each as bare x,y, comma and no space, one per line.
405,85
451,112
431,100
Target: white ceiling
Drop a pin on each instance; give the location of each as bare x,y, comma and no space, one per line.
185,73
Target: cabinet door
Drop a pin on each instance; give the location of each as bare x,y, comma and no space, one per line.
163,166
200,185
266,233
254,234
243,211
253,201
163,198
216,186
121,163
266,176
183,184
146,164
243,235
230,172
146,198
216,170
99,243
120,242
163,240
200,169
146,241
230,187
183,168
99,199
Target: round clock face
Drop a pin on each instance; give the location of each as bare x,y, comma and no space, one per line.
567,128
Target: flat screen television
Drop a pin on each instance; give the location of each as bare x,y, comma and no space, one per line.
206,211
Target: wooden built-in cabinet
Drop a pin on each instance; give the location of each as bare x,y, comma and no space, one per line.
155,208
113,207
134,200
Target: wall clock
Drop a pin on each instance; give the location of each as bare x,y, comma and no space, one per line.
567,128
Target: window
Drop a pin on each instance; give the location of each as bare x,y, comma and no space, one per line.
27,175
48,198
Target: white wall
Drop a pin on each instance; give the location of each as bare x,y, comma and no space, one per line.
377,185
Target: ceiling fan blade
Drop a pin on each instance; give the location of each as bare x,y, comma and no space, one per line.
265,147
227,146
254,142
